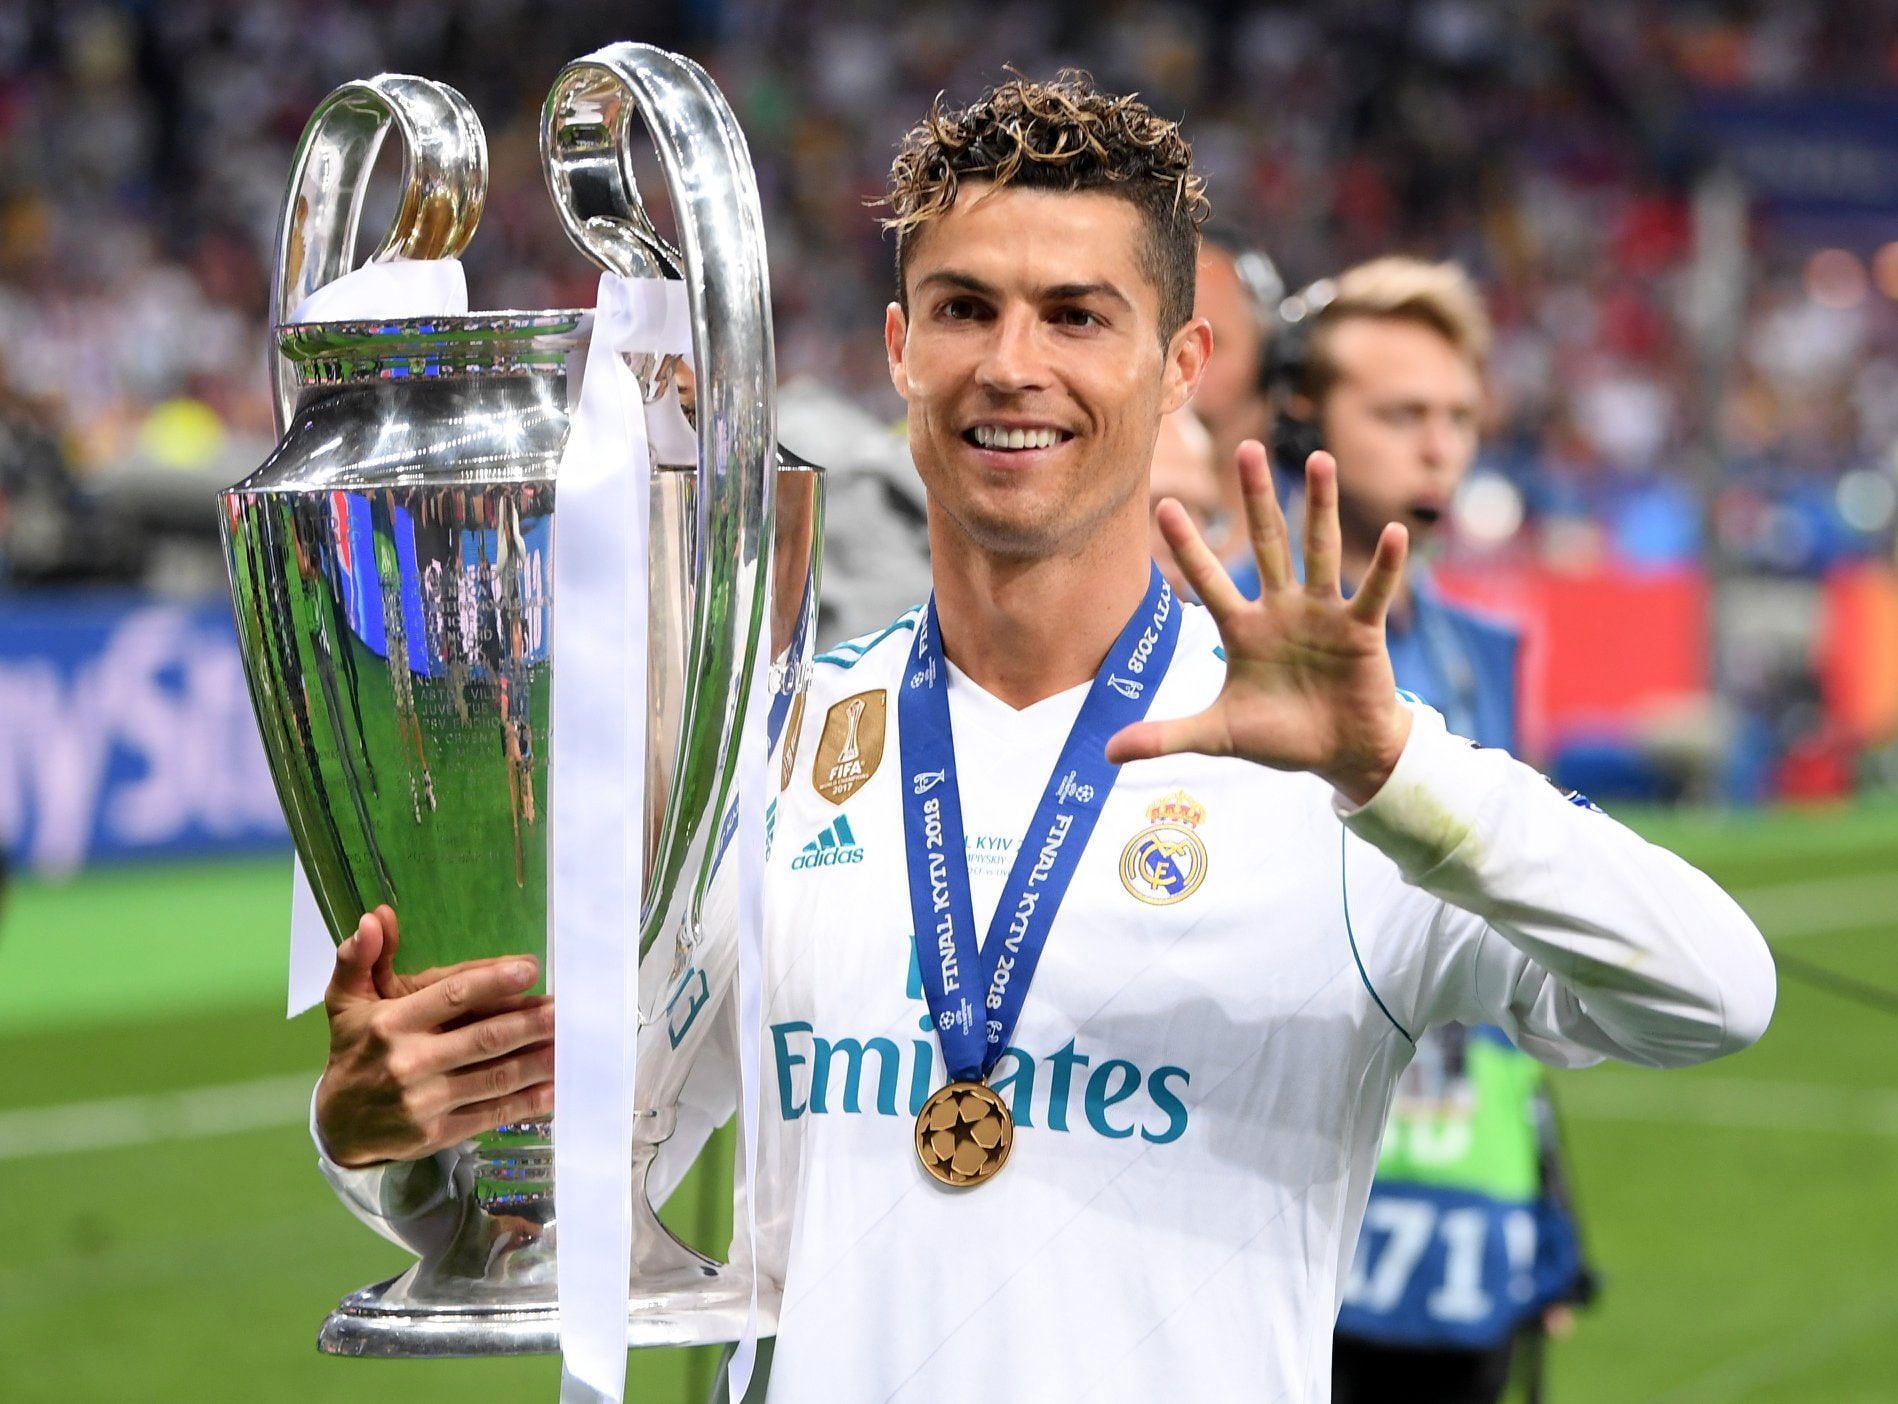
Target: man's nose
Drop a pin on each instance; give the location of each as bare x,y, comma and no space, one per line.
1014,359
1445,442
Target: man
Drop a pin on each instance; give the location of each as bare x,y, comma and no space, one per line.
1385,373
1218,926
1183,471
876,548
1237,291
1467,1241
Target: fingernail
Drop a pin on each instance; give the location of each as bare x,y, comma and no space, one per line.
521,972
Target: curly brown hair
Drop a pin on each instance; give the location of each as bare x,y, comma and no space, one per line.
1061,135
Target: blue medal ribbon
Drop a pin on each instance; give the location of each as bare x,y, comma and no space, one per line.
976,997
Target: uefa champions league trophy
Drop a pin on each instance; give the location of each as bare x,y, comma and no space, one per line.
390,568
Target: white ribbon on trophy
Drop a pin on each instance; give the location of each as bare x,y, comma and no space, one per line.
596,835
391,290
597,800
748,992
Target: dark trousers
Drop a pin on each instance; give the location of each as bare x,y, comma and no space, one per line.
1373,1374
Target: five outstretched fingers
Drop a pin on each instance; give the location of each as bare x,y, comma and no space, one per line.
1373,599
1203,734
1322,545
1197,562
1265,520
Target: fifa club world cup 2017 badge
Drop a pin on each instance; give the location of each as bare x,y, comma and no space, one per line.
1166,862
851,748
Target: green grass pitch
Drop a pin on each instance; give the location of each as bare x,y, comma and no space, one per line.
1744,1215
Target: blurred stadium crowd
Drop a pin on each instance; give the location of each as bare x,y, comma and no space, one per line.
1646,382
1545,147
1549,147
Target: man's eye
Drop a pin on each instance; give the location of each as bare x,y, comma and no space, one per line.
959,309
1076,317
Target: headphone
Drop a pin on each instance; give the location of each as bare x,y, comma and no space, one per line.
1285,376
1285,321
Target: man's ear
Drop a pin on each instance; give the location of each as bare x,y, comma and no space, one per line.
1186,356
895,337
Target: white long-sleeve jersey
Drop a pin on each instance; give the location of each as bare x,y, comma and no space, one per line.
1203,1064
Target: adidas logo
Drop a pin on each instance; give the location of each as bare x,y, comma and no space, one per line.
836,845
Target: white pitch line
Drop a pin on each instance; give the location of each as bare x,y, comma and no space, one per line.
75,1128
1736,1104
1805,907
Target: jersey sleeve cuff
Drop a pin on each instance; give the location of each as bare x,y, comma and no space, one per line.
1430,804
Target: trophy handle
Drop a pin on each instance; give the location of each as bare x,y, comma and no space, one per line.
585,135
444,187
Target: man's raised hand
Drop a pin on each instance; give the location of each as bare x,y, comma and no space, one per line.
419,1063
1308,677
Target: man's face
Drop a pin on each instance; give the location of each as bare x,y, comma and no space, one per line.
1232,375
1401,419
1033,367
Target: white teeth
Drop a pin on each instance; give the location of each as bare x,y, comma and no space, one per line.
995,436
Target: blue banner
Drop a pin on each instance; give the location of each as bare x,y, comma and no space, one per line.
1808,156
126,731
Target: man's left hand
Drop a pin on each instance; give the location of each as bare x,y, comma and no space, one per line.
1308,677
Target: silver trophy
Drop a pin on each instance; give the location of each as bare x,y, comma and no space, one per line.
390,565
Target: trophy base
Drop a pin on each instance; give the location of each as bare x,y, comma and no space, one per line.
382,1321
488,1287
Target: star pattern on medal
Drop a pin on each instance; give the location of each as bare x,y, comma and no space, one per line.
964,1134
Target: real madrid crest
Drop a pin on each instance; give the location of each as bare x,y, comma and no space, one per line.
851,748
1166,862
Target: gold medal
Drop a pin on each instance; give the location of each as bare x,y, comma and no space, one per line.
963,1133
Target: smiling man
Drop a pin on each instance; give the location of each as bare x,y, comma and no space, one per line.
1079,1047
